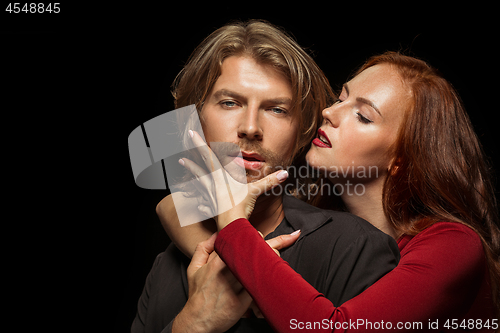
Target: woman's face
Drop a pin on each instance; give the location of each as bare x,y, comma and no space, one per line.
354,139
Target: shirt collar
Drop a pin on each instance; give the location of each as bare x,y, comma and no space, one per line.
299,215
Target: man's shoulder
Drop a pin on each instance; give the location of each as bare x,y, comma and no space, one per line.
335,228
171,256
349,223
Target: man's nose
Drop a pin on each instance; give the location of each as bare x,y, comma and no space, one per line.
250,126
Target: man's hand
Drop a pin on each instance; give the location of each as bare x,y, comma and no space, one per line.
216,298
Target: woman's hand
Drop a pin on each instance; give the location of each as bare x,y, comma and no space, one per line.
221,196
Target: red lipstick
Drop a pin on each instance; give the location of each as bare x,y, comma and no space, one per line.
322,140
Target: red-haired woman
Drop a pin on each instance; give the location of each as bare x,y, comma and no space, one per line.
419,175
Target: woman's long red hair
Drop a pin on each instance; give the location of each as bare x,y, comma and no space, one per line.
439,172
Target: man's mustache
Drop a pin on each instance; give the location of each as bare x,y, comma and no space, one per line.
229,149
256,147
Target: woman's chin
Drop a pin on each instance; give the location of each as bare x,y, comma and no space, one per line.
313,160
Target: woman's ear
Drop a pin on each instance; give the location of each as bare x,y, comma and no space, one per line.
394,166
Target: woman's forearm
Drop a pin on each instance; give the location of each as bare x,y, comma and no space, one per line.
184,237
294,291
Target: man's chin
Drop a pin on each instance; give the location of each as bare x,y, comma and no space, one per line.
255,175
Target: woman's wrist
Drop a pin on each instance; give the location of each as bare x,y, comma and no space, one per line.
226,218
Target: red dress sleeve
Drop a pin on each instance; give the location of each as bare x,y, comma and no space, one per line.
439,277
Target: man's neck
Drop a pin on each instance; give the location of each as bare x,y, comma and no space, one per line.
268,213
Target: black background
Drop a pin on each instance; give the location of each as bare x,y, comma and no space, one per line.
75,84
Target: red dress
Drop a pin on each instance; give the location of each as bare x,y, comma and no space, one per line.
440,282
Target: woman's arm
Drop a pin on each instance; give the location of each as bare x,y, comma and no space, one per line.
185,238
437,279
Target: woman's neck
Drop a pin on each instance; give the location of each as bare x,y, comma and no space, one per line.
367,204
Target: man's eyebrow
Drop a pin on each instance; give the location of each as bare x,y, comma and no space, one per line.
364,100
225,92
280,100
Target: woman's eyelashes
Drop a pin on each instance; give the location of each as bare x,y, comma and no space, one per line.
361,117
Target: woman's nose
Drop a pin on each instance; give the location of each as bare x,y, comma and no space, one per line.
331,115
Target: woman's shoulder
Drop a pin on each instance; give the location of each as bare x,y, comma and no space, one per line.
444,244
448,233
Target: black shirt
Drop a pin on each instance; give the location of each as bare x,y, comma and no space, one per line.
338,253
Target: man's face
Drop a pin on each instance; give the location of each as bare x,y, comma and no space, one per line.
250,106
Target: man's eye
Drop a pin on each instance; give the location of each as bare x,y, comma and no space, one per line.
279,111
228,104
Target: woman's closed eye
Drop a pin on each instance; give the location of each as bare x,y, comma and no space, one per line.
363,119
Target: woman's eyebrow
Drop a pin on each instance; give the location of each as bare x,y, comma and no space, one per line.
364,100
370,103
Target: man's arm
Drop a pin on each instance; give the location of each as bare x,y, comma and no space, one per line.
188,237
139,323
216,299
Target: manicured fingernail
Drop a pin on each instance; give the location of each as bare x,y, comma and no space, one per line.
181,162
190,133
282,175
295,232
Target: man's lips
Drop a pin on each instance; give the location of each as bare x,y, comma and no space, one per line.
322,140
250,161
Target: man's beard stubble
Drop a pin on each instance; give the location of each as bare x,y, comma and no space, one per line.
273,160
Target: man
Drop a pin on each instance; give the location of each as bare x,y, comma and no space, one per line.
255,87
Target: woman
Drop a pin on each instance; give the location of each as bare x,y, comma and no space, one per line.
432,193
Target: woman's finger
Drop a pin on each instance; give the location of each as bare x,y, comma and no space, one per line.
283,241
206,210
267,183
206,153
199,173
203,183
192,167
